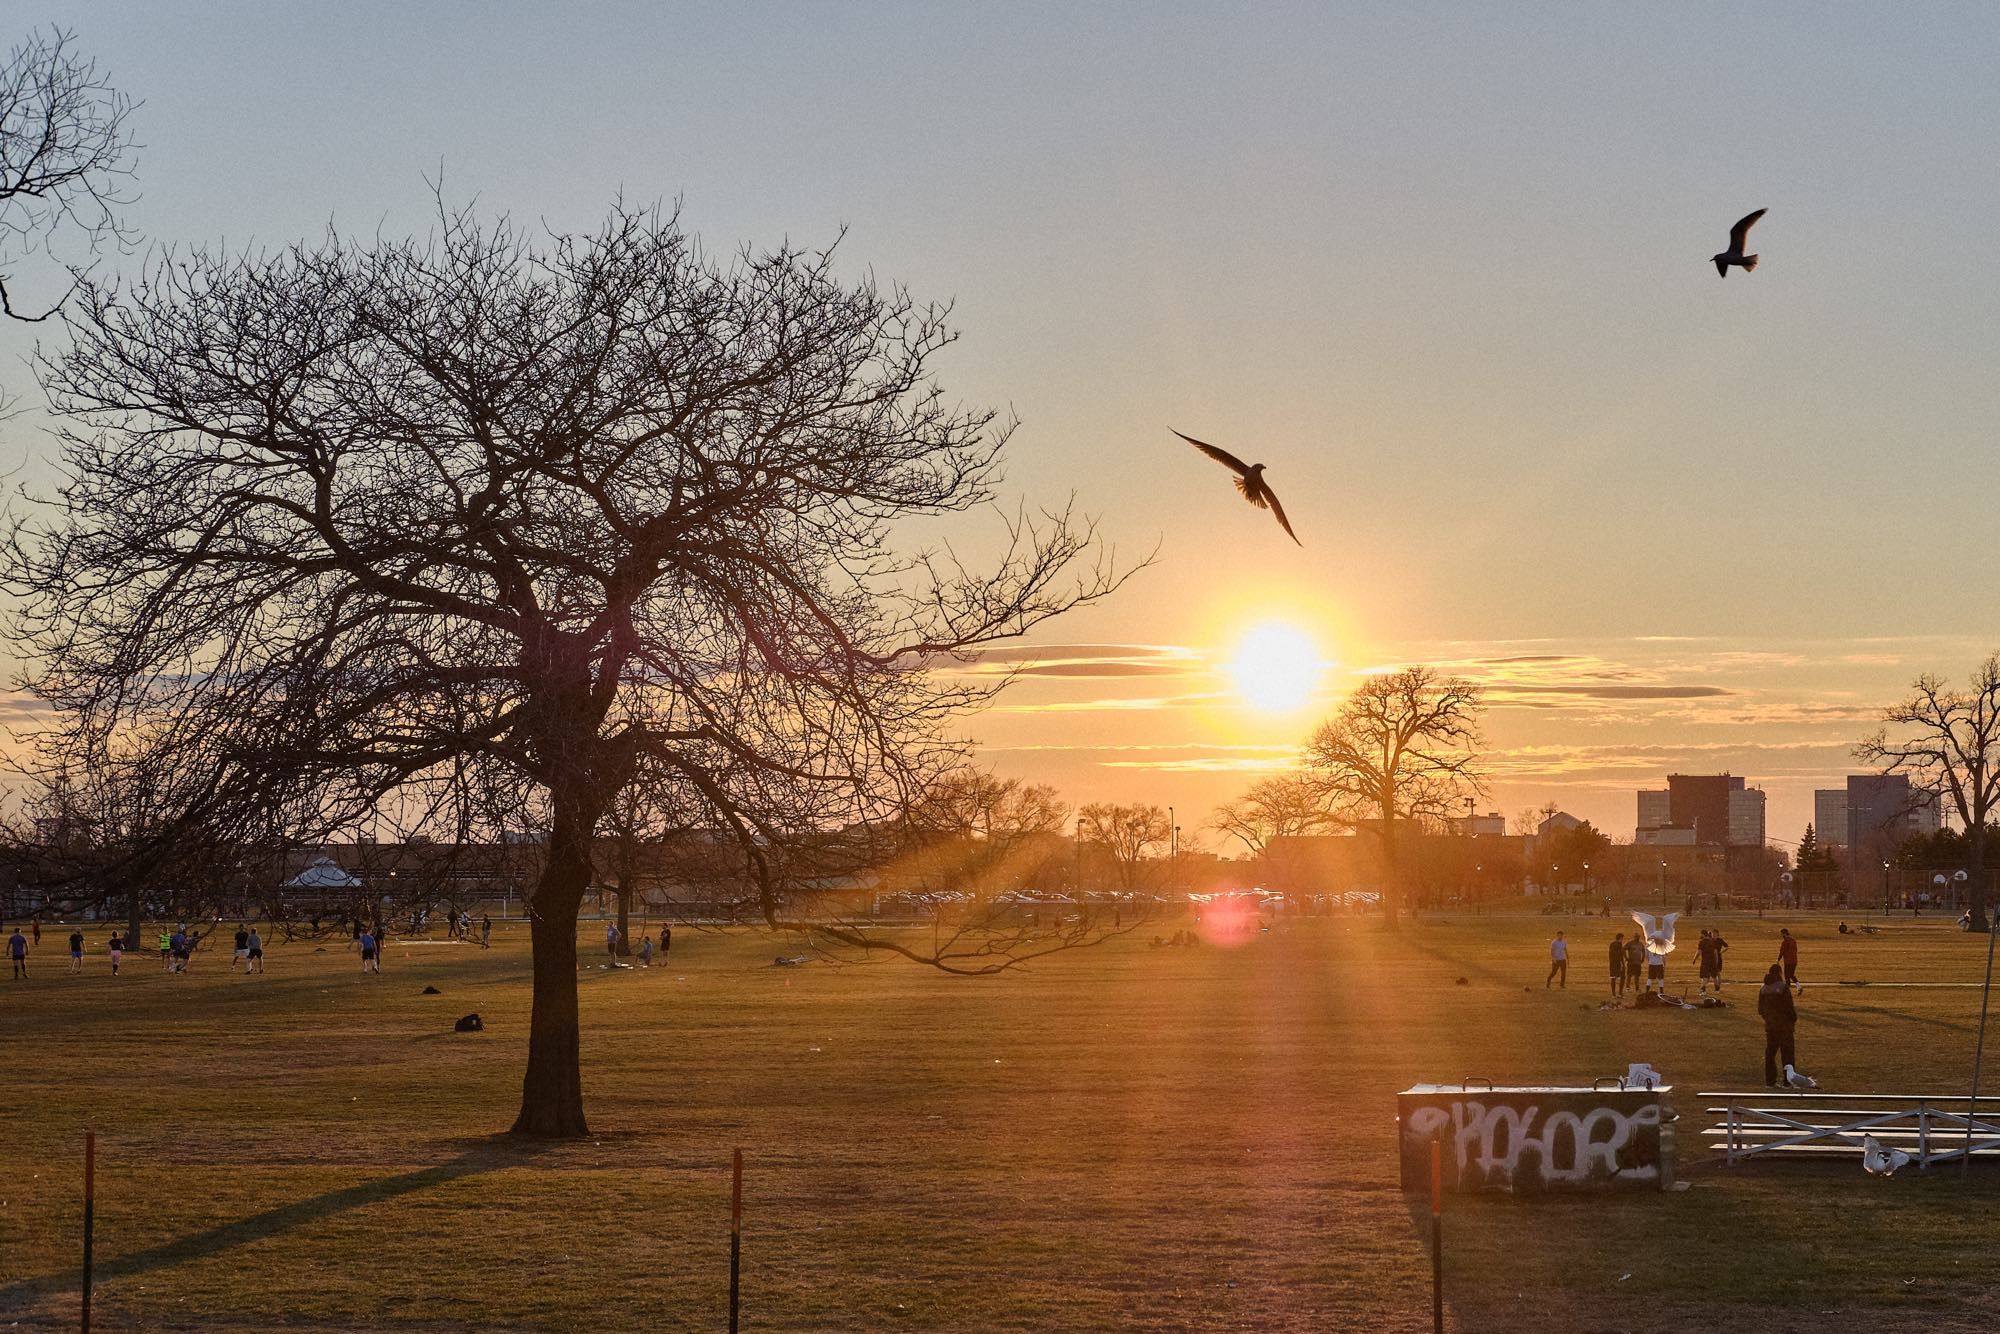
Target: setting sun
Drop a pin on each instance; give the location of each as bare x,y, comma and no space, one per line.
1276,668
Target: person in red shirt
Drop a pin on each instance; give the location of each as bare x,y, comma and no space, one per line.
1788,955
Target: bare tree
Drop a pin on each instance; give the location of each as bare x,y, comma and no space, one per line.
1127,834
1948,741
421,522
1403,748
1284,806
978,832
65,152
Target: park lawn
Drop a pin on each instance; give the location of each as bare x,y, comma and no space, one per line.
1124,1137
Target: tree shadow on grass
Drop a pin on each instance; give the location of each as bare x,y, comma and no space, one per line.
483,1156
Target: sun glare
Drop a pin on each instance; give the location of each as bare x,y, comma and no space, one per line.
1276,668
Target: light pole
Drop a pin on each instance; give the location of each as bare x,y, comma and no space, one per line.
1586,889
1885,889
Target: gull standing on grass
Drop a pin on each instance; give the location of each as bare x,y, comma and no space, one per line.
1249,480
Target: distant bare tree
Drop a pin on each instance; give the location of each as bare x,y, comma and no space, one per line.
1127,833
416,523
976,831
65,152
1948,741
1284,806
1403,748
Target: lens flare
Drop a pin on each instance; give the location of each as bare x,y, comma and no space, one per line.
1276,668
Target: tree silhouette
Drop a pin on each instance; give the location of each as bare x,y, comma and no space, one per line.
1402,748
478,528
1948,742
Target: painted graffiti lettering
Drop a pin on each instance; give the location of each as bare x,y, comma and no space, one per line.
1511,1146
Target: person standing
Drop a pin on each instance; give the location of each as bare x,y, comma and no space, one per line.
1719,946
486,931
1656,969
1558,962
1788,955
167,949
1635,961
177,945
117,951
1781,1019
253,958
611,942
17,951
1618,965
666,939
76,950
242,947
368,964
36,923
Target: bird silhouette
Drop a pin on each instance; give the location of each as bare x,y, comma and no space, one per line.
1879,1160
1799,1079
1249,480
1739,236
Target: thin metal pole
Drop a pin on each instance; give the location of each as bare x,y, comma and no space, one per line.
89,1216
1979,1047
1437,1236
735,1237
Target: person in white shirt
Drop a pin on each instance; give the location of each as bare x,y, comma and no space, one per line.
1558,962
611,940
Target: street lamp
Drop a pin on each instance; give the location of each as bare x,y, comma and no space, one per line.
1885,889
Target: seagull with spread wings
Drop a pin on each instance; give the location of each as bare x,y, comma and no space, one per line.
1739,236
1249,480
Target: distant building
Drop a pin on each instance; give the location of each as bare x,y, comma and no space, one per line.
1746,817
1558,823
1490,825
1665,836
1830,817
1885,809
1656,809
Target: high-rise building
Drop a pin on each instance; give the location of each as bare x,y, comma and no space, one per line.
1885,809
1746,817
1830,817
1701,802
1656,809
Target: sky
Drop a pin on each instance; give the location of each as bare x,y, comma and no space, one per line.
1444,269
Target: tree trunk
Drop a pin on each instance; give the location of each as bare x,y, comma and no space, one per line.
1392,891
1975,874
552,1088
624,918
135,912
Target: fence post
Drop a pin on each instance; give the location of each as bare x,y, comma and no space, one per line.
735,1236
1923,1137
1437,1236
89,1216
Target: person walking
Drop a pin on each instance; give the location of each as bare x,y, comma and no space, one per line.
178,946
1788,955
167,949
1781,1019
17,951
1618,965
117,951
1718,946
76,950
36,924
242,947
253,958
1558,962
368,964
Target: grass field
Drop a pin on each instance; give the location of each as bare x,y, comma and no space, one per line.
1124,1137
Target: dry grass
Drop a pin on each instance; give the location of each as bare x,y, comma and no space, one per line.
1121,1138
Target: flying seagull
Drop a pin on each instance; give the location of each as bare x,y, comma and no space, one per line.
1249,480
1659,931
1739,236
1878,1160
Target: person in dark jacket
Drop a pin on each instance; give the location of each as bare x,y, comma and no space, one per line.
1781,1018
1618,964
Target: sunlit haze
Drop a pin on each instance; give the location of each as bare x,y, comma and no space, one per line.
1444,270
